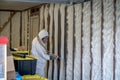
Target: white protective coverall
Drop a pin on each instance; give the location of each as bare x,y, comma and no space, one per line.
39,51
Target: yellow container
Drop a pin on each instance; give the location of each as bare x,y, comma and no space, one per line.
33,77
28,57
26,65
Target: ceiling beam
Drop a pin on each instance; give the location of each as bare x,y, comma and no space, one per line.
48,1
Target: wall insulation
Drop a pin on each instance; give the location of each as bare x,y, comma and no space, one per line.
62,60
86,42
56,10
96,40
50,69
69,70
108,24
46,17
86,36
77,53
41,17
117,38
46,26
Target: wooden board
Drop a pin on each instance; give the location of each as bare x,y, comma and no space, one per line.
117,56
34,26
77,53
24,29
62,60
96,40
3,18
108,24
86,42
69,68
50,72
15,33
56,9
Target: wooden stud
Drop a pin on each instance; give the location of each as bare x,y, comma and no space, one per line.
20,29
81,40
114,61
29,30
102,39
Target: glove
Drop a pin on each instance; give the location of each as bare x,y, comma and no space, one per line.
53,57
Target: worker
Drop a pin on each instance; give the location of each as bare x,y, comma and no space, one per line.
39,50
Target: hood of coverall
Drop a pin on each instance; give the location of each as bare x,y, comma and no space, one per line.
43,33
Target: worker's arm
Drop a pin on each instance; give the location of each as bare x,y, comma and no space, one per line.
42,54
45,55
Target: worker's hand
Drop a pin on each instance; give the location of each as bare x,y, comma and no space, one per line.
53,57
